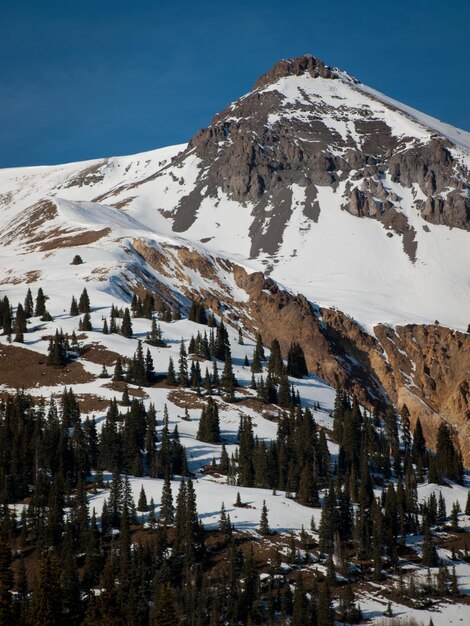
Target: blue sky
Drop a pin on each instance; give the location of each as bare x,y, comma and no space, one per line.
97,78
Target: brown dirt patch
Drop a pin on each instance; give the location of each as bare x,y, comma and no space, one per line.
118,386
96,353
89,402
67,241
21,368
28,278
183,399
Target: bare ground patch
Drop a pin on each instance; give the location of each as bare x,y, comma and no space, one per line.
119,385
21,368
186,399
69,240
97,353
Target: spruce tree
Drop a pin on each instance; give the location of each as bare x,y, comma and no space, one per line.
46,606
20,324
40,308
165,613
263,523
183,380
118,372
171,376
126,326
166,508
84,302
142,504
85,323
74,308
296,365
28,304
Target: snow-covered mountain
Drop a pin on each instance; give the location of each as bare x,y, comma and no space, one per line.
281,181
330,189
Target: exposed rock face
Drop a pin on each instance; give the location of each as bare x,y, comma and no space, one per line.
431,375
265,142
296,67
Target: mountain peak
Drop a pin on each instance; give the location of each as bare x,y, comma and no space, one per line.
306,64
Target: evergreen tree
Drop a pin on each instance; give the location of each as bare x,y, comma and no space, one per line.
46,606
183,380
418,449
264,524
275,364
142,504
84,302
197,313
57,355
20,324
118,372
40,308
28,304
325,616
126,326
296,365
228,380
171,376
166,509
448,461
209,430
165,613
258,356
74,307
85,323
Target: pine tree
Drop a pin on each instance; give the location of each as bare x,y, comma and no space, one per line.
418,449
296,365
126,326
171,376
264,524
209,429
46,606
228,379
118,372
20,324
183,380
28,304
142,504
40,308
165,613
448,461
85,323
74,308
84,302
325,615
258,356
166,509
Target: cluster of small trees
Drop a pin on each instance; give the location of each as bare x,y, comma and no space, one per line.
192,377
16,320
139,370
146,306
